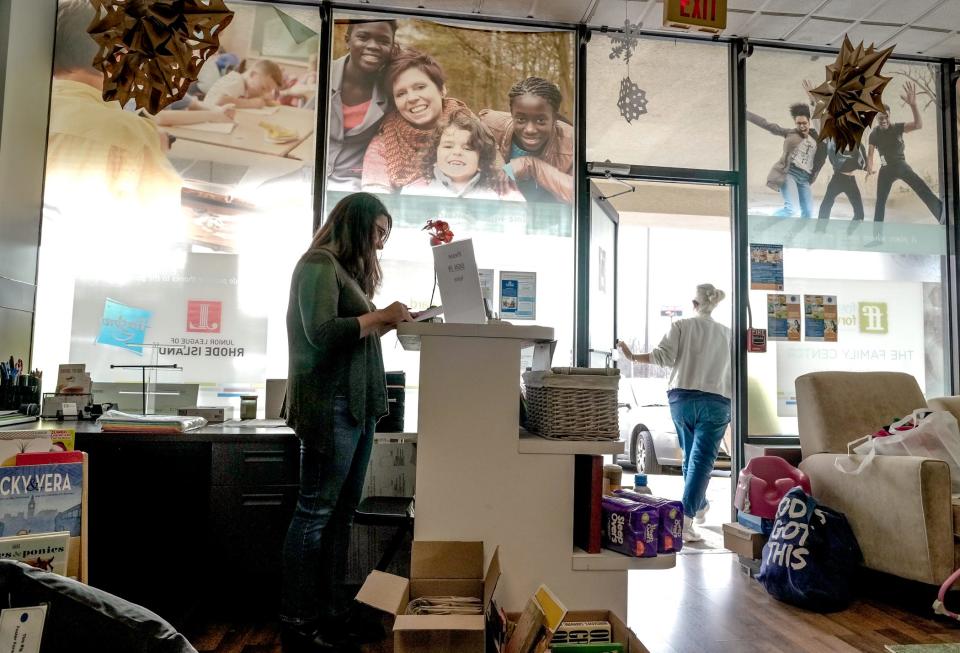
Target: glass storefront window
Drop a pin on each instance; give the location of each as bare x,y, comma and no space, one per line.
171,238
685,86
861,235
472,126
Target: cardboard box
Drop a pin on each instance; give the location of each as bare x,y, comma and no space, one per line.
436,569
743,541
621,634
213,414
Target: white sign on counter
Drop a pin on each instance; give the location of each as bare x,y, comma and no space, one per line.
459,283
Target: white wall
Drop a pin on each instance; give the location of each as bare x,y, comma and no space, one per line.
27,54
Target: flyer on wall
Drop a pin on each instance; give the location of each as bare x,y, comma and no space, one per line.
783,317
766,267
820,317
518,295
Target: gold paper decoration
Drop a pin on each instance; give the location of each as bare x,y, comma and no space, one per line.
850,98
152,50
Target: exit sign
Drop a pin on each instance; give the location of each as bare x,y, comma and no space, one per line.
703,15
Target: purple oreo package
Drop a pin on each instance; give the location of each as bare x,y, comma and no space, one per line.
629,527
670,538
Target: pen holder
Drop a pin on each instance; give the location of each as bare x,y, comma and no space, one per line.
248,407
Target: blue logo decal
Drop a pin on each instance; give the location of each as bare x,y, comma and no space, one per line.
123,326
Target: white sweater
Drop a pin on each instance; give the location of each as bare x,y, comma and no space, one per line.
698,351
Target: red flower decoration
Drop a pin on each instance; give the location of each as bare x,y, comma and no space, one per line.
439,232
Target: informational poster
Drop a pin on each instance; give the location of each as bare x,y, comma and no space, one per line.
518,295
766,267
783,318
881,327
486,284
820,317
198,319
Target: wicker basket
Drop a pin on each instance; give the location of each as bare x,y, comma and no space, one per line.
573,402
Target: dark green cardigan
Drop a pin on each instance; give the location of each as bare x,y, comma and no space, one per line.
327,355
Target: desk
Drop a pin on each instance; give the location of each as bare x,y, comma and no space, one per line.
192,522
248,135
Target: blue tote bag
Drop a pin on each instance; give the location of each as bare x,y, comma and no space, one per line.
812,555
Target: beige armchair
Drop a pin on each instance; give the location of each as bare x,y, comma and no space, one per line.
899,506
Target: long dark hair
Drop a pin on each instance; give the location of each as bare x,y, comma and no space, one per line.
481,140
348,234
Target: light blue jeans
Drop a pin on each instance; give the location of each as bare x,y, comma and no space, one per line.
796,191
315,550
701,419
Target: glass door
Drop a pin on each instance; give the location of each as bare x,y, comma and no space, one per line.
603,280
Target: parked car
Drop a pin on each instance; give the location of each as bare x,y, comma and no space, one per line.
646,428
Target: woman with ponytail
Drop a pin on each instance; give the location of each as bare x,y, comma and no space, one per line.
697,349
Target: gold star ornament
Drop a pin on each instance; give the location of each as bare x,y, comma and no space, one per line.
850,98
152,50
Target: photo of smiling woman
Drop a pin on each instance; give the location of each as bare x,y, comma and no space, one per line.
357,99
417,88
463,162
535,140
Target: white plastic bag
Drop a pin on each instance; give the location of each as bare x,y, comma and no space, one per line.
934,435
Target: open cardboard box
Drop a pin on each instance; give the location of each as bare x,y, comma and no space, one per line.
621,634
436,569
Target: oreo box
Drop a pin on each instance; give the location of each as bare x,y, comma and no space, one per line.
629,527
670,534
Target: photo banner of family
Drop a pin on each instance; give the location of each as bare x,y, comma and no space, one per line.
424,108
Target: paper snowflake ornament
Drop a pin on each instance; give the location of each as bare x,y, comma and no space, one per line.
625,44
152,50
632,101
851,97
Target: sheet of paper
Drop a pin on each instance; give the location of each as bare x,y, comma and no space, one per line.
214,127
427,314
265,111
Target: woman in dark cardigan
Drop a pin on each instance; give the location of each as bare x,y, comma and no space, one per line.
336,392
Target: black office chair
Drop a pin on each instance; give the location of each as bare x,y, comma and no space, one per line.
387,511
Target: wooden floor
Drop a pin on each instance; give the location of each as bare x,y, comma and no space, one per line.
707,605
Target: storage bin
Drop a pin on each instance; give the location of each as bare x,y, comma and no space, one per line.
573,402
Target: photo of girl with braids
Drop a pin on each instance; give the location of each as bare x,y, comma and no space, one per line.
535,141
416,87
463,162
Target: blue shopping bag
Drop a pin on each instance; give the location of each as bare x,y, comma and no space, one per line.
812,555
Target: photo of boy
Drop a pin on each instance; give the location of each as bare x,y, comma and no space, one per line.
253,87
462,162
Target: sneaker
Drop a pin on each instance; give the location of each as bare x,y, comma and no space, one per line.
701,515
690,532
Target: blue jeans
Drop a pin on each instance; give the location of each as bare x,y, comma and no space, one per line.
796,189
701,419
315,550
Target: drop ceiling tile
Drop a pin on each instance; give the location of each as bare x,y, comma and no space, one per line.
568,11
948,48
851,9
915,41
902,12
792,6
772,26
817,31
736,20
946,16
611,13
868,34
744,4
